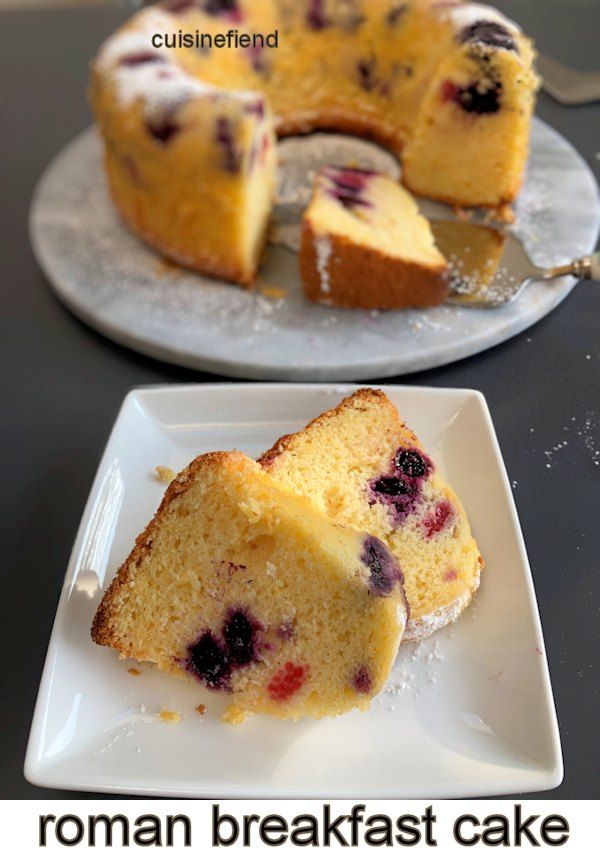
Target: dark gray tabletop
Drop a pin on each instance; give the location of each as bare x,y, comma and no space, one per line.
63,384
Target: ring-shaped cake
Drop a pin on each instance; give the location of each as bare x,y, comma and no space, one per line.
190,127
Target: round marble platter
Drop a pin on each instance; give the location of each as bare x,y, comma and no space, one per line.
126,291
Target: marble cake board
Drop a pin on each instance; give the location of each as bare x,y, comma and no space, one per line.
114,283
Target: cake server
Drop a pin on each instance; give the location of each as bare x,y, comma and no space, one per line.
568,86
489,268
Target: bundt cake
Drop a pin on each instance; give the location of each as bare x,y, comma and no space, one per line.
252,592
365,245
191,167
364,468
188,119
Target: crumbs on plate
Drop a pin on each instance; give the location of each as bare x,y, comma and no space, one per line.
201,709
133,671
169,717
164,474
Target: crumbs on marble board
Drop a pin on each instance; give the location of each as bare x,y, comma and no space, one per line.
165,266
272,292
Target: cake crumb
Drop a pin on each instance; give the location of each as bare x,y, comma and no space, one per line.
164,266
164,474
133,671
505,213
273,292
463,214
169,717
201,709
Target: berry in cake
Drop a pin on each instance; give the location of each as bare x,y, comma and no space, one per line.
476,110
488,33
413,463
384,571
249,591
228,9
362,466
208,660
315,15
396,13
365,245
224,134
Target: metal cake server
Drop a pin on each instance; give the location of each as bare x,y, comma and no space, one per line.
489,268
568,86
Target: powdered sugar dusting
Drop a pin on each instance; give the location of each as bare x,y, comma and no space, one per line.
323,251
135,39
420,627
465,14
424,626
162,86
417,665
577,433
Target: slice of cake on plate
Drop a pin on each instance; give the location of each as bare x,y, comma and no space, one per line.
362,466
254,593
365,245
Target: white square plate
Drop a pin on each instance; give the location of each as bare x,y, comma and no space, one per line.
468,712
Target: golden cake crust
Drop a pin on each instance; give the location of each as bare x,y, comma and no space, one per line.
359,399
200,261
361,277
102,630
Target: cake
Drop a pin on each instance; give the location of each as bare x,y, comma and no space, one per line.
365,245
363,467
191,167
246,589
189,127
471,133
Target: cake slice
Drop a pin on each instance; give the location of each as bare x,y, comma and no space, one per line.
365,245
364,468
470,135
250,591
